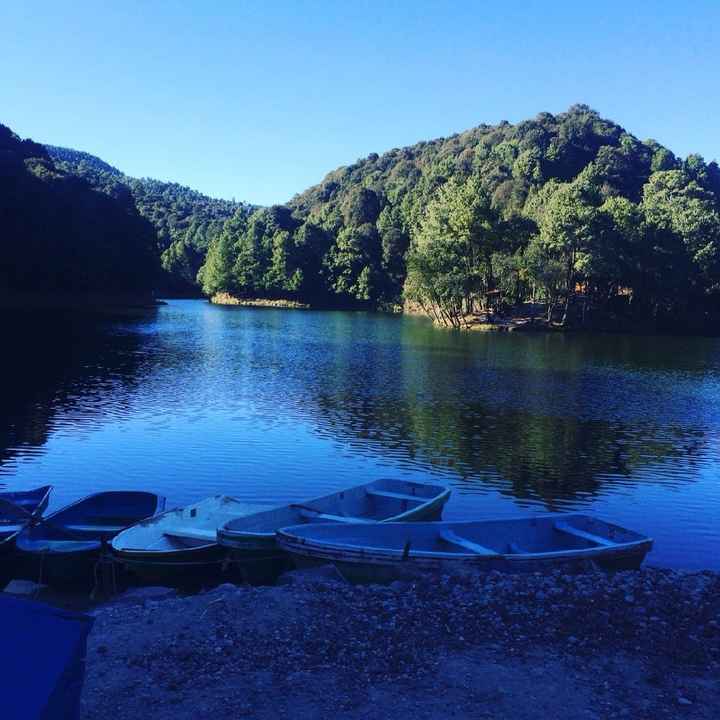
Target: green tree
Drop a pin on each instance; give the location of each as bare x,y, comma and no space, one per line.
450,262
566,231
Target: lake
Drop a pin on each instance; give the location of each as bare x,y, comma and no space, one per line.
274,406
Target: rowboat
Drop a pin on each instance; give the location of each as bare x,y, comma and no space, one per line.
12,521
41,684
253,536
382,553
32,502
179,547
65,546
17,509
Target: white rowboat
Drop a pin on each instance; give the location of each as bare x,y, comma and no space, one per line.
383,501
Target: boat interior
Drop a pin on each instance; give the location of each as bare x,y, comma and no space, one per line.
370,503
28,501
183,528
542,534
91,519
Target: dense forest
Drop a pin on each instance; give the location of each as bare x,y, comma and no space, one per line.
60,236
185,220
569,210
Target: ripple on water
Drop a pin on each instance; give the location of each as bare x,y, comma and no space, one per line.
273,406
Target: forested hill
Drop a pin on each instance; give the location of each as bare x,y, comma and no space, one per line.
567,209
185,220
58,236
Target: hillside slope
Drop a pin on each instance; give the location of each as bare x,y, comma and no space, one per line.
535,210
185,220
61,237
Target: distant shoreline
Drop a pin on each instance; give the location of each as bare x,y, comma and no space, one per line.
227,299
89,303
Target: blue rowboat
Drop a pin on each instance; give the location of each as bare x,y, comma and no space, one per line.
31,502
382,553
17,509
64,547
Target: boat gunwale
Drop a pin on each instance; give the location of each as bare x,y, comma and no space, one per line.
159,504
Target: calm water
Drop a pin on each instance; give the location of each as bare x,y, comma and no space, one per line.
275,406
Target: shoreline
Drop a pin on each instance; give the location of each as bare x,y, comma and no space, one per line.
231,300
81,303
634,644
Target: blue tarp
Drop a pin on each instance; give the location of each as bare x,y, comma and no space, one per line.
43,660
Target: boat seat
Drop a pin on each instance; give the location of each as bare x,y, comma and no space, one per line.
191,534
313,515
95,528
450,537
394,495
583,534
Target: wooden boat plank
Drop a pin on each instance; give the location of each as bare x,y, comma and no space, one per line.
583,534
454,539
394,495
316,515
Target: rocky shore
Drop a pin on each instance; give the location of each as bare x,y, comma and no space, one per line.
631,645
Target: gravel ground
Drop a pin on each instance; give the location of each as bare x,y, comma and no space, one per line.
635,644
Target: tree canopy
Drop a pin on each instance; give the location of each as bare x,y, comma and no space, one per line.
569,210
58,235
185,220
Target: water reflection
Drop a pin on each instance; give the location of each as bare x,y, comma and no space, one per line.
545,458
85,368
274,405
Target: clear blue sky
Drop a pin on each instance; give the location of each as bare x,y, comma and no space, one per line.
257,100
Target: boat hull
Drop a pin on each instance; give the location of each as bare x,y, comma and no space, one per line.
260,568
197,566
382,572
210,565
396,551
70,547
7,549
177,548
58,569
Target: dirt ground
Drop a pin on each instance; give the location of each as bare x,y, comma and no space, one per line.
637,645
